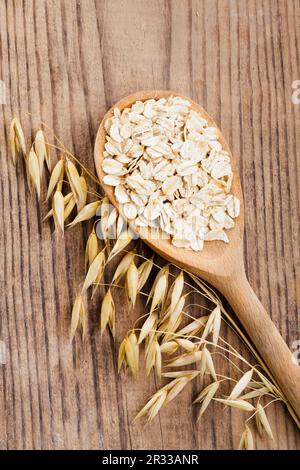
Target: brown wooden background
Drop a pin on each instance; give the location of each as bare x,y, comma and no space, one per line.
68,61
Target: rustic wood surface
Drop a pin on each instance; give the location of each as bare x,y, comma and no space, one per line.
66,62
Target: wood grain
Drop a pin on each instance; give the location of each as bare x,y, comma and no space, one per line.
67,62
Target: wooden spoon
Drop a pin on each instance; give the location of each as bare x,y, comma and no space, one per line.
221,264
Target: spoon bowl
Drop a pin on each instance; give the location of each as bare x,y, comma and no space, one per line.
219,263
216,255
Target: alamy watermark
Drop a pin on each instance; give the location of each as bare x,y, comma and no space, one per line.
296,93
296,352
2,92
2,353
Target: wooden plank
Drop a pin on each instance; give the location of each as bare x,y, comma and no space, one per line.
66,62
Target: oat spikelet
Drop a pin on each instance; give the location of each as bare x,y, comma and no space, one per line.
105,232
82,200
210,323
169,347
86,213
78,317
112,218
158,276
120,225
56,176
122,267
255,393
58,210
82,197
152,336
160,288
107,311
132,279
194,327
83,321
75,184
262,421
213,386
122,353
91,249
132,353
112,323
95,269
40,149
246,442
185,359
144,272
100,274
67,199
34,171
148,405
12,142
176,291
176,389
175,327
16,139
147,326
180,373
157,405
124,239
69,207
75,319
242,405
241,385
206,396
153,406
150,354
158,360
186,344
172,323
104,214
20,136
209,363
48,155
216,325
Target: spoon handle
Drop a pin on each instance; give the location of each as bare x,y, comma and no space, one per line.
266,338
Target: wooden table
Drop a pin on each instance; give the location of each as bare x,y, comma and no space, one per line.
66,62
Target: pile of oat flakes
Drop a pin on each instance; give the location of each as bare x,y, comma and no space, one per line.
170,171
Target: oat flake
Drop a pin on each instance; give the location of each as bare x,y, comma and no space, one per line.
170,172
